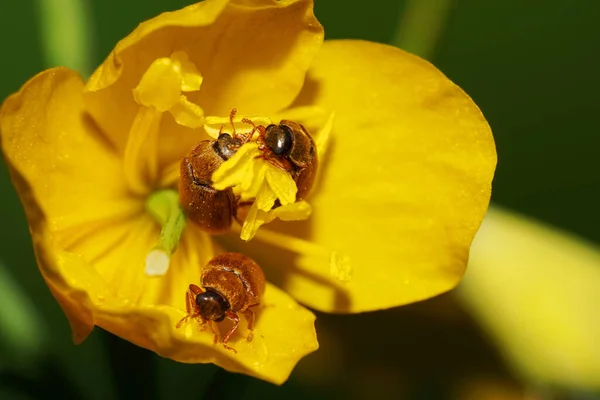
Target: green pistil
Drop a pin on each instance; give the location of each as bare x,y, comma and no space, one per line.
164,207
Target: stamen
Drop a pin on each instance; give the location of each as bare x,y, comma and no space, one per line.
158,91
138,168
164,207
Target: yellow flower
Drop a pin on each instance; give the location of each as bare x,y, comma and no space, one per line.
547,324
402,188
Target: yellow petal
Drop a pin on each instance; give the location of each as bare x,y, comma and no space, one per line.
237,46
535,290
50,142
72,282
54,156
403,187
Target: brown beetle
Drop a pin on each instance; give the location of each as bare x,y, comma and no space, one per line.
290,147
211,209
232,283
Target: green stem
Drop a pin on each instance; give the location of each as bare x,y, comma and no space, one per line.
164,207
66,34
421,25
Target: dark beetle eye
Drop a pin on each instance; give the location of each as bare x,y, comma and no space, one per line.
280,139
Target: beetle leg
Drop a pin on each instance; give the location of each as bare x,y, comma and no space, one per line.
236,322
229,348
273,159
215,331
262,133
249,314
277,162
195,289
190,304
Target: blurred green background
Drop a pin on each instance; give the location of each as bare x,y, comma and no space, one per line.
531,66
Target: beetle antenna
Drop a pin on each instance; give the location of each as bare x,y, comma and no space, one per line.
231,116
249,135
